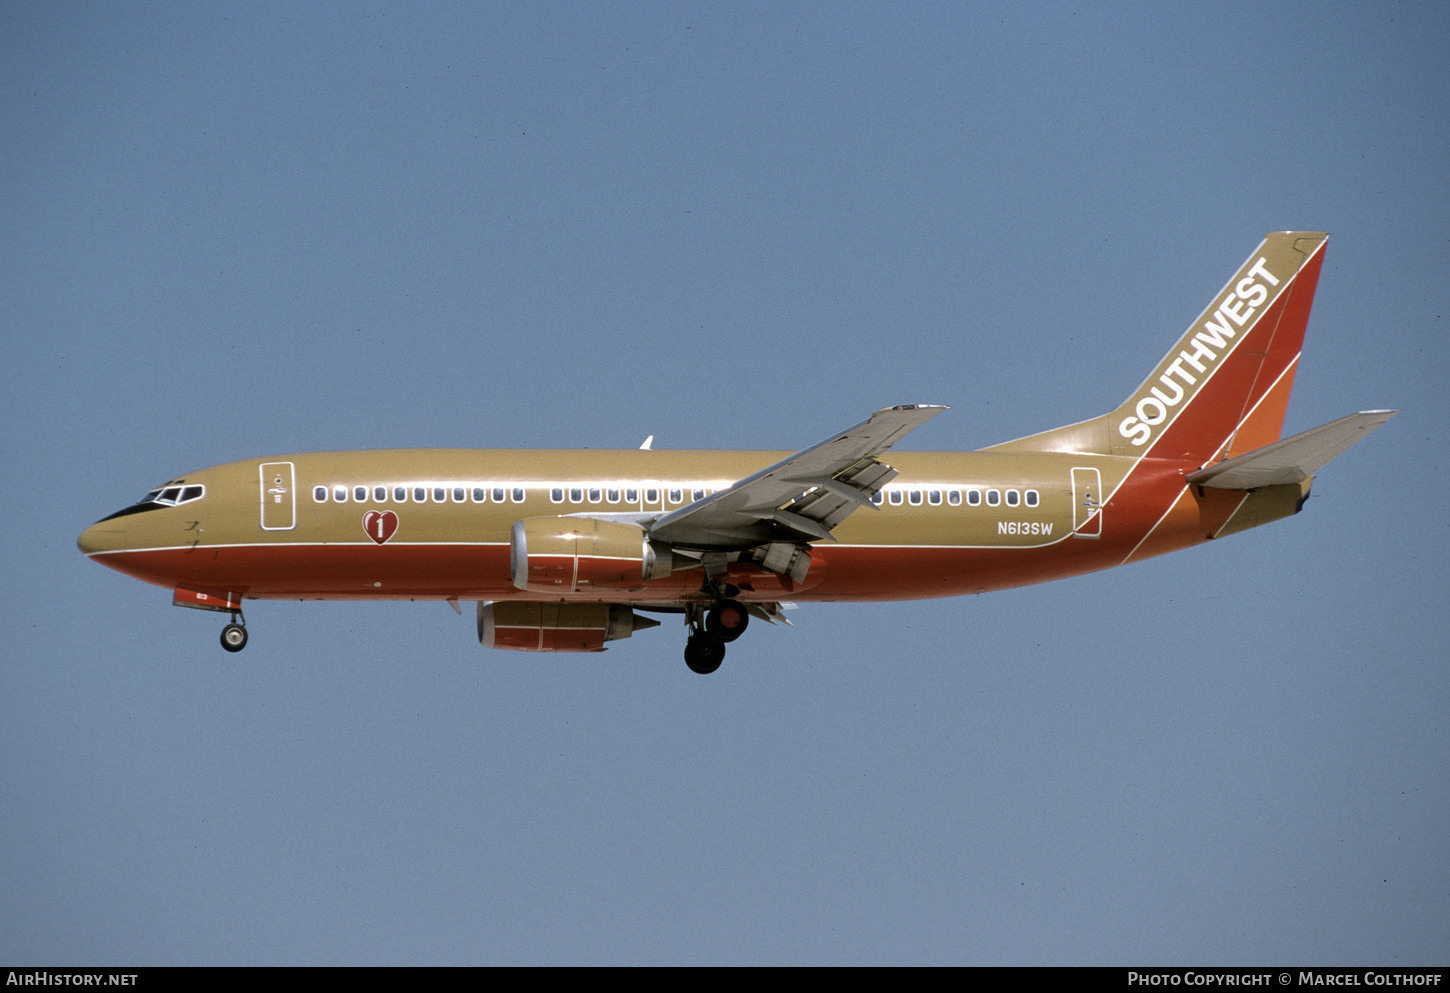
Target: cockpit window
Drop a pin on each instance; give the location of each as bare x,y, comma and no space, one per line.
171,496
162,496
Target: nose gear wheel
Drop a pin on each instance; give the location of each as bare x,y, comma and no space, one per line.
234,635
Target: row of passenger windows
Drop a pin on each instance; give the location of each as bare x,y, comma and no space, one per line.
500,494
974,497
631,495
420,494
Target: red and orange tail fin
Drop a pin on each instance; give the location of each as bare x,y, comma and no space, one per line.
1224,388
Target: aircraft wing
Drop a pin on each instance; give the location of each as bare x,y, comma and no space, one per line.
800,498
1294,459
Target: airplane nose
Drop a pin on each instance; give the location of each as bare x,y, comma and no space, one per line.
103,536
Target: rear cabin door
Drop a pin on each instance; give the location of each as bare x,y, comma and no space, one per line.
279,496
1087,509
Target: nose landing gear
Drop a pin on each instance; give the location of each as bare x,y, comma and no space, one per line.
234,635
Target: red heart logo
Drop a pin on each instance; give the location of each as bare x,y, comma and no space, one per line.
380,524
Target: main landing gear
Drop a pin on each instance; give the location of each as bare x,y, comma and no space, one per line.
234,635
711,630
704,652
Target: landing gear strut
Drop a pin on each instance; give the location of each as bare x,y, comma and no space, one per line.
234,635
710,631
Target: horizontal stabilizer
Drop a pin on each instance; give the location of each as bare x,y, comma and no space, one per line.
1292,460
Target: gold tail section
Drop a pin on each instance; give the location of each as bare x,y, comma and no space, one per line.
1229,374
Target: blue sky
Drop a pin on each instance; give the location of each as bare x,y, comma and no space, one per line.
242,230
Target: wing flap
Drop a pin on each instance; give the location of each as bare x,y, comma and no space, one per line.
805,495
1292,460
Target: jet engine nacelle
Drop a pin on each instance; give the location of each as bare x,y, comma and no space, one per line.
556,627
557,555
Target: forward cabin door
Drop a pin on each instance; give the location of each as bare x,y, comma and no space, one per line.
1087,495
279,496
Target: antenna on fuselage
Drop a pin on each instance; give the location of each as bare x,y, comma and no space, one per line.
647,442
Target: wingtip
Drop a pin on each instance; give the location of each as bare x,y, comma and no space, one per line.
934,408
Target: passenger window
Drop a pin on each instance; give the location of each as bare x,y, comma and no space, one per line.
360,494
677,496
518,494
595,494
319,494
878,497
954,497
480,495
400,494
459,494
339,493
1031,498
440,494
993,498
651,495
1012,498
915,498
498,494
420,494
557,494
380,493
974,497
612,496
631,496
895,498
576,495
933,497
697,494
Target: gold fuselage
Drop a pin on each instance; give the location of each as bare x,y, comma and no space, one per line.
458,524
949,524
